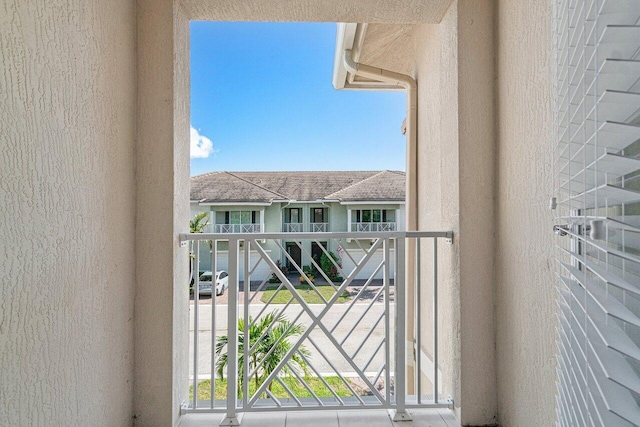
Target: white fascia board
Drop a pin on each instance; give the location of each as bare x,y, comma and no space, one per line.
351,36
292,202
374,202
345,37
235,204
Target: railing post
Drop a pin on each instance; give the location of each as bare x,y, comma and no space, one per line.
417,325
231,418
400,413
435,320
196,306
214,268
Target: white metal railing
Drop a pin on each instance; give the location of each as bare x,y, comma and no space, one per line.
319,227
237,228
292,227
347,344
368,227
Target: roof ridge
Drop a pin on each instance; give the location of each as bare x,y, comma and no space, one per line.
313,171
206,174
354,184
255,185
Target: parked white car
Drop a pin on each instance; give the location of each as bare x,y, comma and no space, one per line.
205,285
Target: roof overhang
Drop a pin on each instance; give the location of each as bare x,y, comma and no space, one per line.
351,36
385,46
235,203
373,202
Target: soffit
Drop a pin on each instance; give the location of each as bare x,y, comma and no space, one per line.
385,46
388,46
374,11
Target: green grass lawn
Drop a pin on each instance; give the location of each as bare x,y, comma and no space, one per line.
300,391
306,292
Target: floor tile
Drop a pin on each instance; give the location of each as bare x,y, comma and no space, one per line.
350,418
312,419
448,417
364,418
264,419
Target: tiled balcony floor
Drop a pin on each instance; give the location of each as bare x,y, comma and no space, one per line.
356,418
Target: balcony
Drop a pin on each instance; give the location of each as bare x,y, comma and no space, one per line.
237,228
292,227
368,227
319,227
315,339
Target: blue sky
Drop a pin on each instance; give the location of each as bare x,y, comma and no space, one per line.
262,100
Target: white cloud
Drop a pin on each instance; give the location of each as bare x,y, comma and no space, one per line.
201,146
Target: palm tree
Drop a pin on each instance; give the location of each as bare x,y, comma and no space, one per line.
262,354
199,222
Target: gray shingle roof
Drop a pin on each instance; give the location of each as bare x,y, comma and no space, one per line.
266,187
385,185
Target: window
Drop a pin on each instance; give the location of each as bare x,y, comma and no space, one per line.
241,217
318,215
294,216
371,215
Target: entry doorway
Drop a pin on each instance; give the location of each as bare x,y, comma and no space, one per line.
316,251
294,252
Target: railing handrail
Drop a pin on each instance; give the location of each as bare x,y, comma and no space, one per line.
308,235
233,227
390,356
374,222
288,226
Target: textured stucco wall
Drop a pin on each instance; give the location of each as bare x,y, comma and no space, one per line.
456,149
67,208
373,11
162,179
524,279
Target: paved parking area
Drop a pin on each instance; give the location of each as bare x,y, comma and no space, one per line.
364,320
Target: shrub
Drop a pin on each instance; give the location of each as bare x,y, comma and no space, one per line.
328,266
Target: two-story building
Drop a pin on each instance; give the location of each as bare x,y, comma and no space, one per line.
290,202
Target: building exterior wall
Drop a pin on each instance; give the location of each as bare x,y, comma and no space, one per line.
524,297
273,223
273,218
456,148
67,209
85,176
162,181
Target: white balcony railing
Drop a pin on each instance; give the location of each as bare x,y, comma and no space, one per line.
318,227
345,351
237,228
292,227
369,227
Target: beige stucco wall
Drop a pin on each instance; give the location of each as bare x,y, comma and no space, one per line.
524,279
67,208
454,70
162,174
75,237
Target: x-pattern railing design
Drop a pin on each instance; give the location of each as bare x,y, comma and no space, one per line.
341,354
238,228
374,226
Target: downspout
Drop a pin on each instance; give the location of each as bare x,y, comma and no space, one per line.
411,87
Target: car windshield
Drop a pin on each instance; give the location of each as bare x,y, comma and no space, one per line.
205,277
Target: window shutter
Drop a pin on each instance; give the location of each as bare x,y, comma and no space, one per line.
597,180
